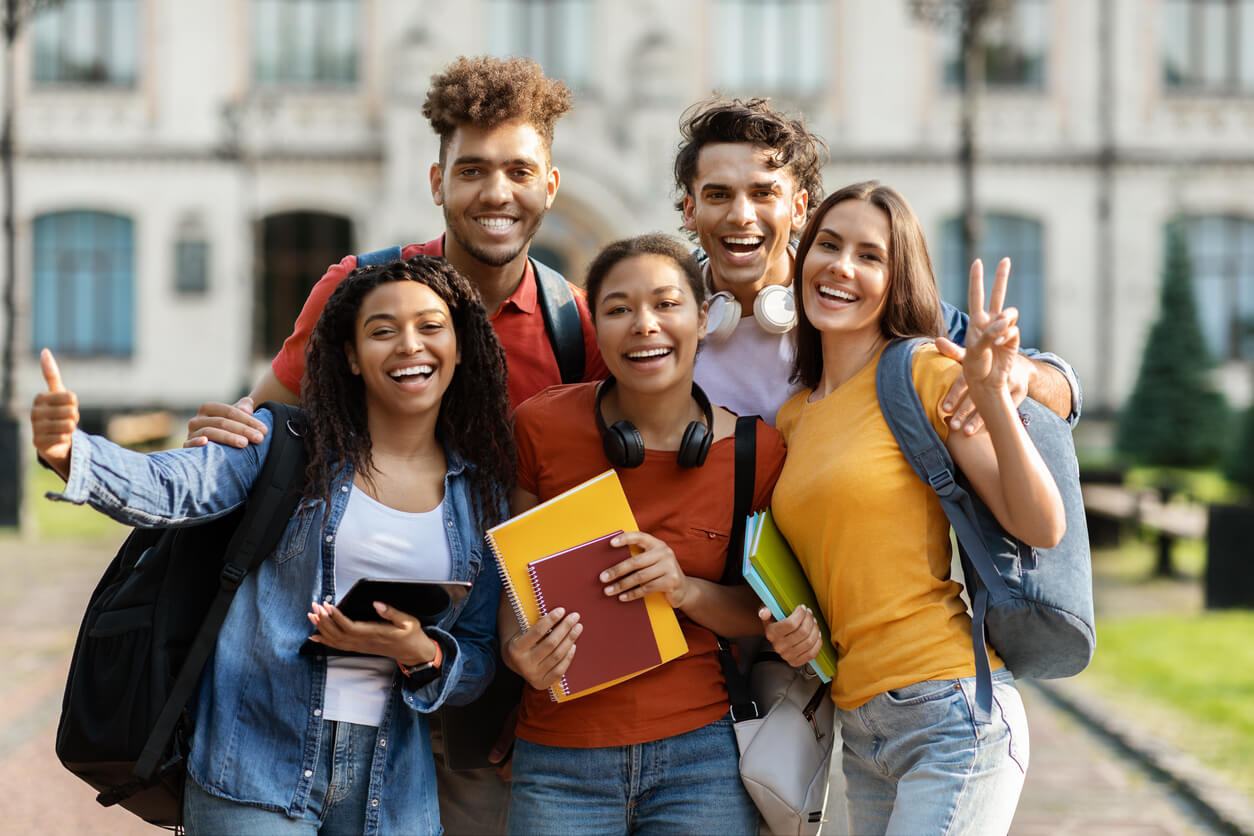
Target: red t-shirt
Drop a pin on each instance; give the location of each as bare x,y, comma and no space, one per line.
519,325
690,509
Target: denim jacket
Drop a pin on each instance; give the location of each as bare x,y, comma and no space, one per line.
259,708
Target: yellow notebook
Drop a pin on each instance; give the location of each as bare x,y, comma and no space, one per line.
585,512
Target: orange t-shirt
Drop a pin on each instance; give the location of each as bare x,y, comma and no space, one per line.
690,509
518,324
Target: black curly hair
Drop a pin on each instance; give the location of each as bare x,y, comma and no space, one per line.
475,417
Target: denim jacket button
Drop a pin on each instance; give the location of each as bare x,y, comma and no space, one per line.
317,712
374,802
343,488
383,742
329,538
449,523
308,773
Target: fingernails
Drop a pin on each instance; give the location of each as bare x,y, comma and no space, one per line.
603,577
948,405
380,607
558,613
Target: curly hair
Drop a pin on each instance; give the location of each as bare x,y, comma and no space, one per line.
487,91
654,243
475,419
912,306
790,144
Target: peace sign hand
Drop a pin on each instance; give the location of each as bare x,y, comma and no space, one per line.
54,417
992,334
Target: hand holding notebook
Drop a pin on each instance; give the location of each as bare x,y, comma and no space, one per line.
590,511
617,637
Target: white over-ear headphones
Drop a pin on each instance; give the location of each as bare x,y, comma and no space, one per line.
774,310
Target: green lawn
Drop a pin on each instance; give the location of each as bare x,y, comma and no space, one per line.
62,520
1189,679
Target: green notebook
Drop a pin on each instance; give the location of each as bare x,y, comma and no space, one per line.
773,572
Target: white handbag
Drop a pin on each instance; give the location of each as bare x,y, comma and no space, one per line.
786,749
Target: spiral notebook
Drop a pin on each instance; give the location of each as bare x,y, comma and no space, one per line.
587,511
774,573
617,638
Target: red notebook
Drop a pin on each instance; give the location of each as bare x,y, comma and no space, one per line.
617,638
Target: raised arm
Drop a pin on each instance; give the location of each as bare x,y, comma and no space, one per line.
1001,461
1044,377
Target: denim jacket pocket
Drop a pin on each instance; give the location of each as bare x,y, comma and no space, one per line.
297,532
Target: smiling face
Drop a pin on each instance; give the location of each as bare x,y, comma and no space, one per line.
845,275
744,212
648,323
494,186
404,348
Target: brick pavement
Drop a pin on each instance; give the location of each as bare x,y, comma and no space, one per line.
1076,783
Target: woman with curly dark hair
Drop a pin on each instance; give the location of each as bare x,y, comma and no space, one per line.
411,455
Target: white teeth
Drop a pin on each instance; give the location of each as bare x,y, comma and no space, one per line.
837,294
397,374
648,352
748,241
496,224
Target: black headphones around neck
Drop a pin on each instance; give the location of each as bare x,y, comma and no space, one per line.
624,446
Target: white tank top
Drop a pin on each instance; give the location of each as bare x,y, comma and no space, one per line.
375,541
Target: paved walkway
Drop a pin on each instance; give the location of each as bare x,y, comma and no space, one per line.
1076,784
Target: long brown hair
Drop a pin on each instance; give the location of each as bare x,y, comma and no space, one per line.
912,305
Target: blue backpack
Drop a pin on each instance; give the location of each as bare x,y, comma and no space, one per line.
1036,605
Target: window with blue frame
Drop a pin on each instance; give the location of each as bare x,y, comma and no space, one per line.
305,42
770,47
1015,237
83,283
92,42
1221,251
1208,46
556,34
1014,43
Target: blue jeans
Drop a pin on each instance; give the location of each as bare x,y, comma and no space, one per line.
687,783
337,803
915,761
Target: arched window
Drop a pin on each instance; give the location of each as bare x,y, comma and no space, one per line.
1004,235
83,280
1221,251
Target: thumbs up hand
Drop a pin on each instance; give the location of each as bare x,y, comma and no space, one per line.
54,417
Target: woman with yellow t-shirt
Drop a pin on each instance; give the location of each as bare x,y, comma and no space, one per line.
872,536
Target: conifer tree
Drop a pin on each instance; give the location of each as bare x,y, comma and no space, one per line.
1174,417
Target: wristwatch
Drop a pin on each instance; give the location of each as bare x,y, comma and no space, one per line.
427,672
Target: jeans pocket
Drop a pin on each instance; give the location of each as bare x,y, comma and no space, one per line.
923,692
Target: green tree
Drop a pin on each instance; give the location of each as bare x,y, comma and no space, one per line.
1240,467
1174,418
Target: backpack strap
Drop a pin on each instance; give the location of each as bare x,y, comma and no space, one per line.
379,257
742,705
271,503
561,321
904,413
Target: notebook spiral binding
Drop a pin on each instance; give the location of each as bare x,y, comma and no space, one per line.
508,585
544,610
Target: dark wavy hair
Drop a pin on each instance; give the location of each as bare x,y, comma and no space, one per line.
791,145
912,305
475,419
653,243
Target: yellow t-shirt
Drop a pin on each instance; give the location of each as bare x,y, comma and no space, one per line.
872,537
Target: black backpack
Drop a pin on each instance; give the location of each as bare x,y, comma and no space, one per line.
151,624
